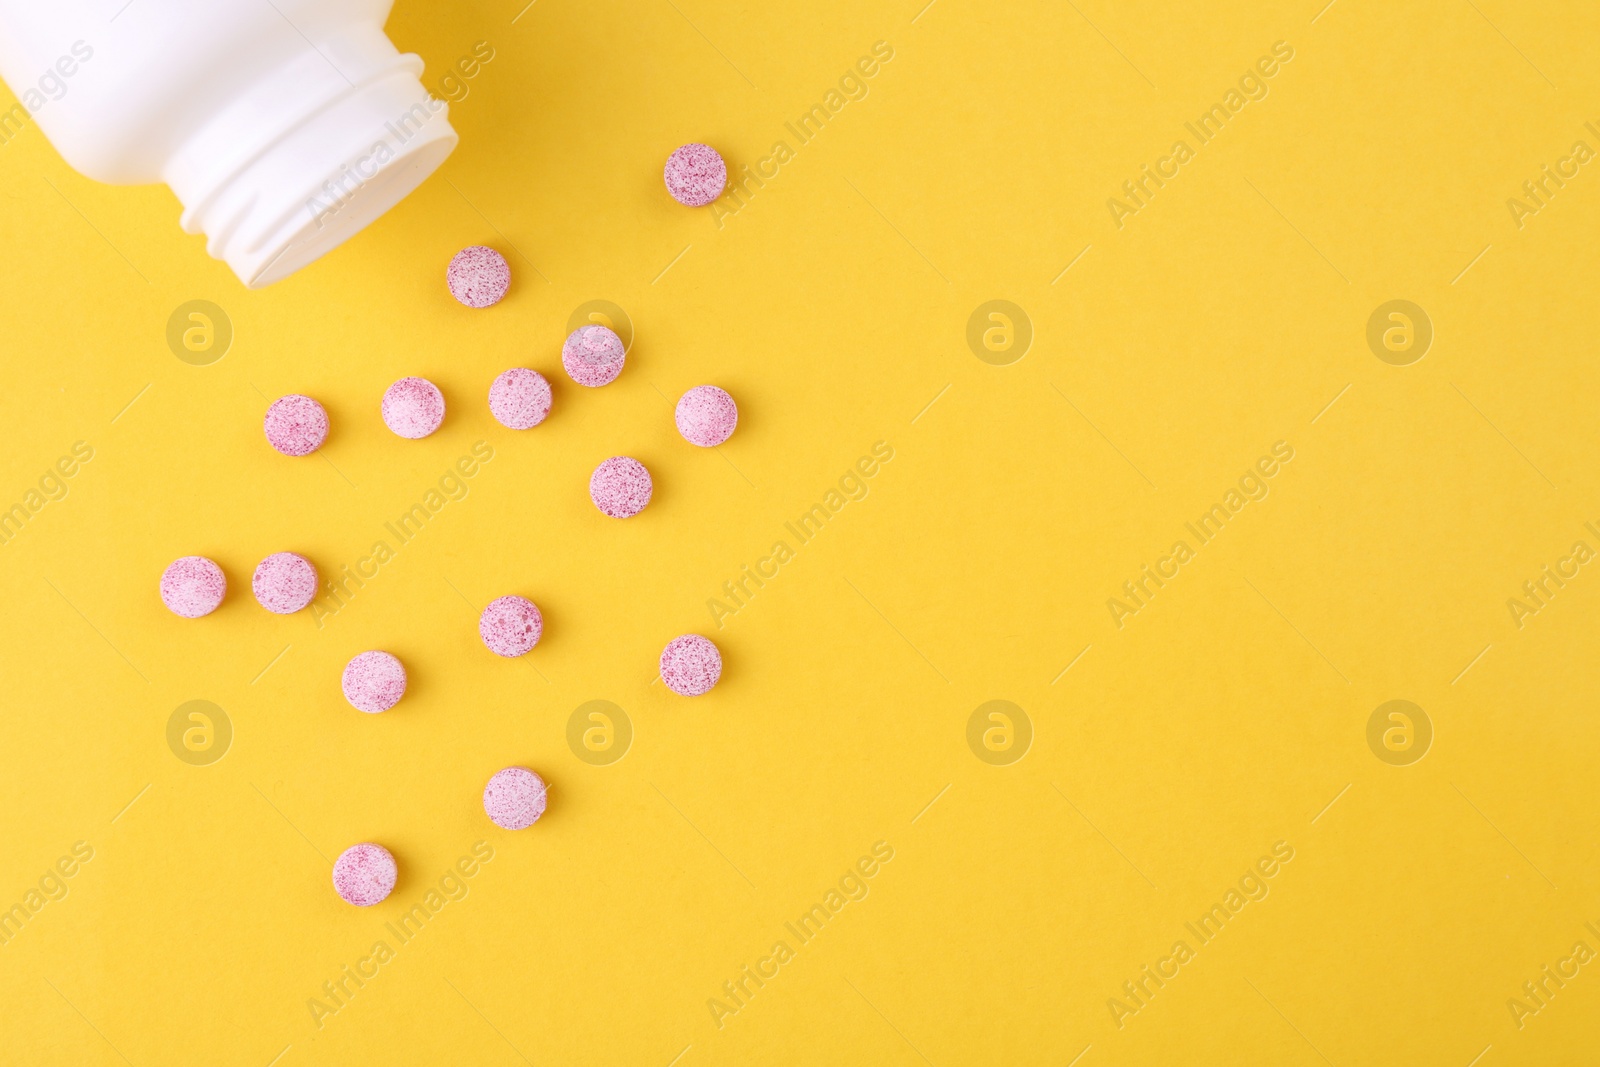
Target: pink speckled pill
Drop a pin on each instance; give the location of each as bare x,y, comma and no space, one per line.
413,408
515,798
192,586
284,583
690,665
478,276
593,355
706,416
511,626
296,425
695,175
374,682
520,398
620,487
364,874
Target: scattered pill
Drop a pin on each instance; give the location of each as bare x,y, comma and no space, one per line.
192,586
511,626
284,583
593,355
364,874
695,175
374,682
520,398
706,416
515,798
620,487
413,408
478,276
690,665
296,425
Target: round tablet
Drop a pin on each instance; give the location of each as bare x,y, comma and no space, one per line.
296,425
284,583
364,874
620,487
706,416
593,355
511,626
695,175
515,798
413,408
374,682
478,276
690,665
519,399
192,586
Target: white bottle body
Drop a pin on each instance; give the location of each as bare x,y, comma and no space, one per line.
283,127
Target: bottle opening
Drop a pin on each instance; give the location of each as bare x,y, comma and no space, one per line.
335,214
325,156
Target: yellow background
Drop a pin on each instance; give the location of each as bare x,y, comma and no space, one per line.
1225,716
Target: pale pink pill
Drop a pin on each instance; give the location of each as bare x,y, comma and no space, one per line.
695,175
690,665
478,276
296,425
192,586
593,355
374,682
413,408
364,874
620,487
520,398
515,798
511,626
706,416
284,583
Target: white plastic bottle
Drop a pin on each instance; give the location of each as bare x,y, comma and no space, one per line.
283,126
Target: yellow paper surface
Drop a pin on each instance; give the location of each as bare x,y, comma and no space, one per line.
1184,360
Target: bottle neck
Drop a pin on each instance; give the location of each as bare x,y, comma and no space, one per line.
310,154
